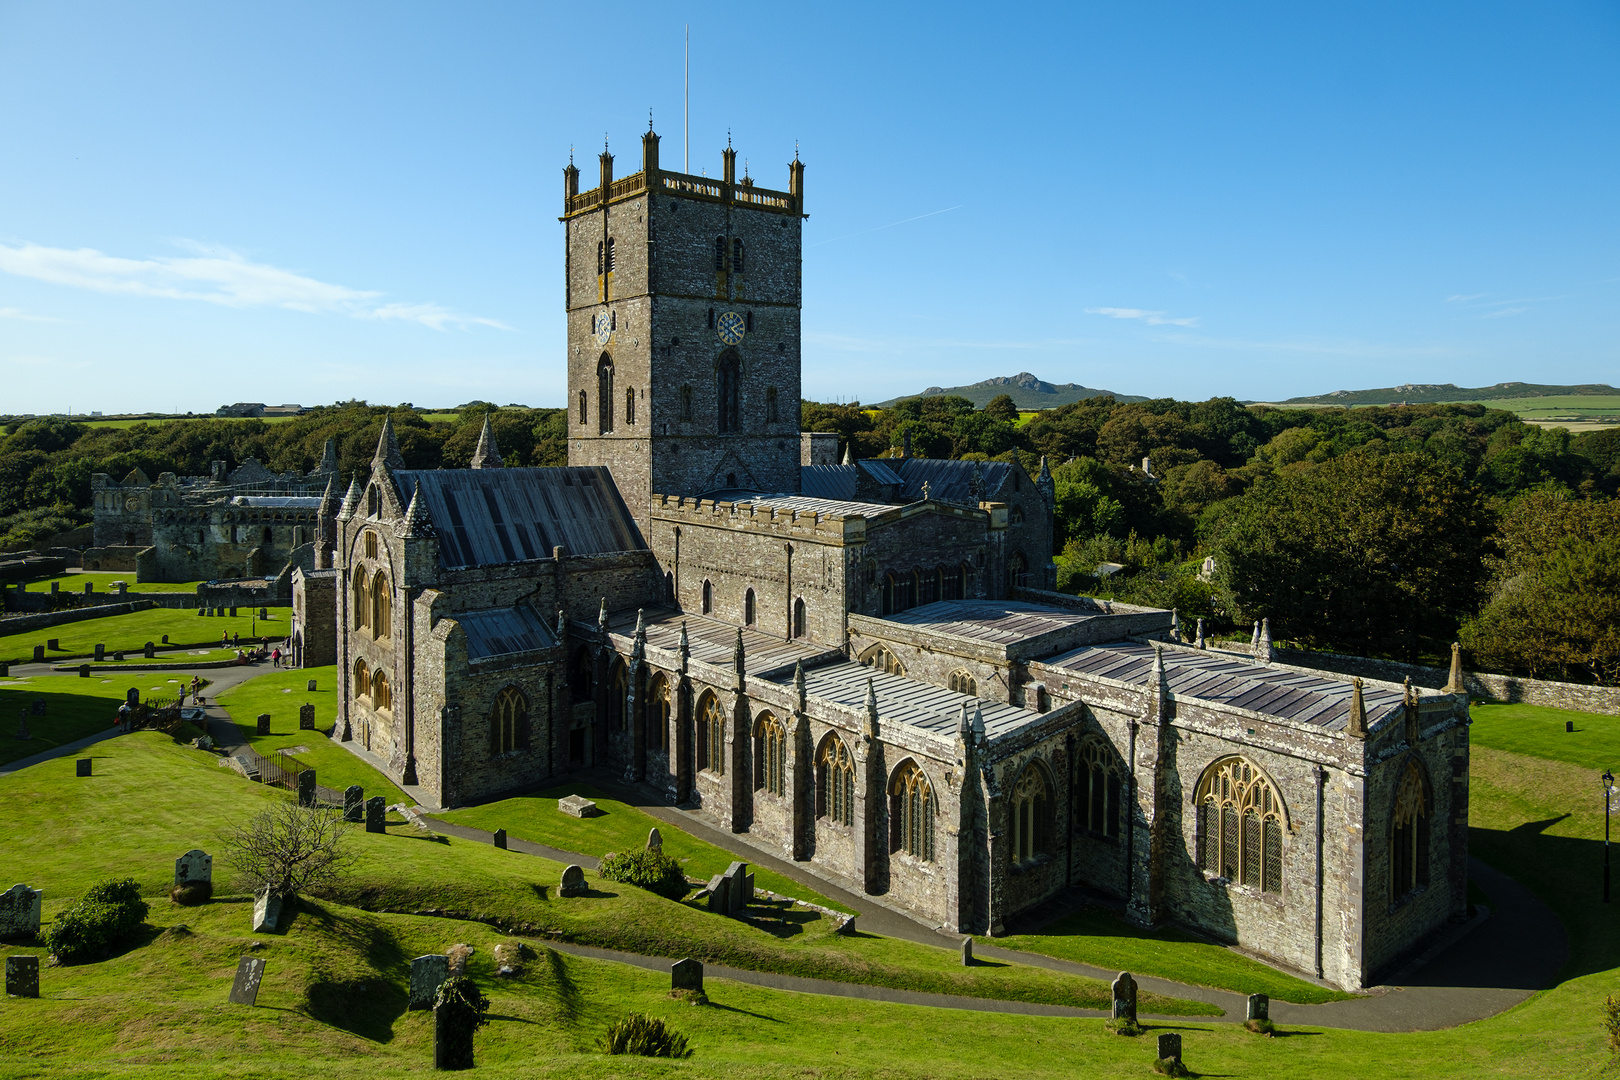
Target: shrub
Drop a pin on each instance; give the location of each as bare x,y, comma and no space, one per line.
1611,1022
646,1035
462,1005
105,915
290,849
651,870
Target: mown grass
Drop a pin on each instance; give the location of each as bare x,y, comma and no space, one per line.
619,827
1538,731
131,632
75,581
74,707
281,694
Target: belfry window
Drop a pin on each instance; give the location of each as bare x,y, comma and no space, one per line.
1240,825
711,318
737,259
601,257
604,394
610,255
798,617
719,254
583,418
727,377
748,608
630,406
708,598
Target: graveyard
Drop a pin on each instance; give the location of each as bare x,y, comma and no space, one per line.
336,975
130,633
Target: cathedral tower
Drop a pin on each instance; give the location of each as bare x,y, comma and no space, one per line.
683,297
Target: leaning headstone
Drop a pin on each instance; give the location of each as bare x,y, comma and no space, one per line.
499,839
1259,1007
1170,1047
266,913
686,974
311,687
22,976
376,814
427,975
1125,998
249,973
739,890
577,806
19,912
306,718
264,724
354,803
655,840
720,894
573,881
306,788
967,952
194,865
83,767
101,653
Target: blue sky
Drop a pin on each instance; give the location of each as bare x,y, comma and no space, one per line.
203,203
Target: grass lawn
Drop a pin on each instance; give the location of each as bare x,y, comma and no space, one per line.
1098,937
131,632
281,694
1538,731
74,707
172,656
619,827
75,581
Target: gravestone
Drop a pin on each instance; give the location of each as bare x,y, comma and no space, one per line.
56,587
311,686
101,652
89,587
19,912
655,840
202,611
151,651
427,975
720,894
967,952
118,657
376,814
573,882
306,717
306,788
686,974
194,865
1125,998
23,734
264,724
1170,1047
233,613
249,973
5,668
499,839
1259,1007
132,697
121,588
354,803
165,639
452,1039
84,671
264,613
577,806
22,976
39,654
738,892
51,644
1569,725
266,913
83,767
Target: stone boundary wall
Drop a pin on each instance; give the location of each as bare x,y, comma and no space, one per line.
23,623
1558,695
36,601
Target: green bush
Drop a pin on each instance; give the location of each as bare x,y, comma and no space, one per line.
646,1035
651,870
105,915
462,1005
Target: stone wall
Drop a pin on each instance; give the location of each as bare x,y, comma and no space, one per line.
19,624
314,618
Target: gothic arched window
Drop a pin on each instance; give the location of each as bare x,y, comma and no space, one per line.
748,608
362,600
601,257
362,680
927,586
1409,833
879,656
835,782
911,813
1030,804
708,598
798,617
1099,789
1240,824
583,415
610,255
381,696
604,394
630,406
736,256
618,694
719,254
658,712
770,755
382,622
728,376
1017,571
581,679
963,682
509,722
711,735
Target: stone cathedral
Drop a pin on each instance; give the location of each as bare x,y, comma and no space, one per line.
860,665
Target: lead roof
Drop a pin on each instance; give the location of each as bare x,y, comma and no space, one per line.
504,632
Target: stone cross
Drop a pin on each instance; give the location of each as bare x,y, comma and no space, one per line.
967,952
686,975
22,976
1170,1047
427,975
19,912
354,803
655,840
376,814
926,488
194,865
306,788
266,913
249,973
1259,1007
573,881
264,724
306,717
499,839
83,767
1125,998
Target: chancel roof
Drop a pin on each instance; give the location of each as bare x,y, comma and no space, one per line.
486,517
949,481
841,482
806,504
997,622
902,700
711,641
504,631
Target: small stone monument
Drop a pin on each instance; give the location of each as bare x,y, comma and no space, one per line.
83,767
354,803
655,840
165,639
499,839
89,587
1170,1047
132,697
249,973
720,894
306,788
56,586
306,717
39,654
686,974
377,814
22,976
19,912
577,806
264,724
5,668
427,975
121,588
967,952
53,644
1125,998
311,687
266,913
101,653
194,865
1259,1007
23,734
118,657
233,613
150,651
573,882
84,671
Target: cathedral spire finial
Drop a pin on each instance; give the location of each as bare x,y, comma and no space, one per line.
649,118
351,501
488,455
417,522
871,727
1357,722
388,447
1454,685
849,452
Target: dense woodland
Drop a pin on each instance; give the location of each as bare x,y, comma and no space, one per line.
1381,531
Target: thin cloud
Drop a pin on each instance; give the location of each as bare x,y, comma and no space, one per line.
22,316
1459,298
1502,313
890,225
217,275
1152,318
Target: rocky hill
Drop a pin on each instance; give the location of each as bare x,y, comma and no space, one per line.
1429,393
1027,392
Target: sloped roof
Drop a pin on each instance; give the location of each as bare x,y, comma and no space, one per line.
841,482
486,517
949,481
504,631
903,700
999,622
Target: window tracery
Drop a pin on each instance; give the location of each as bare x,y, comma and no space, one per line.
1240,824
835,782
509,722
1409,833
1100,787
911,813
1030,803
770,751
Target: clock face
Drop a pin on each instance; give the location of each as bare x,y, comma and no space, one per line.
730,327
132,504
604,327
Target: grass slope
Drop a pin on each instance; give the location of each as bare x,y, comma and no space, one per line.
75,581
1538,731
131,632
74,707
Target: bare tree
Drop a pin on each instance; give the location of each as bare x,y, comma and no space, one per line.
289,849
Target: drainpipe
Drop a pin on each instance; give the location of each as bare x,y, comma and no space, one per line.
1130,824
1321,802
1068,750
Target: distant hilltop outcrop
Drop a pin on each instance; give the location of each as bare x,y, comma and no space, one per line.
1434,393
1027,392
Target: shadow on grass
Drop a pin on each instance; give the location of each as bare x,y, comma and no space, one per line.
732,1008
570,1002
365,1005
541,891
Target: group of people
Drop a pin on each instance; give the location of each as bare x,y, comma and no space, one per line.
263,651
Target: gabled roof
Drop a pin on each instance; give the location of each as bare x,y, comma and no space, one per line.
950,481
842,482
486,517
504,631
